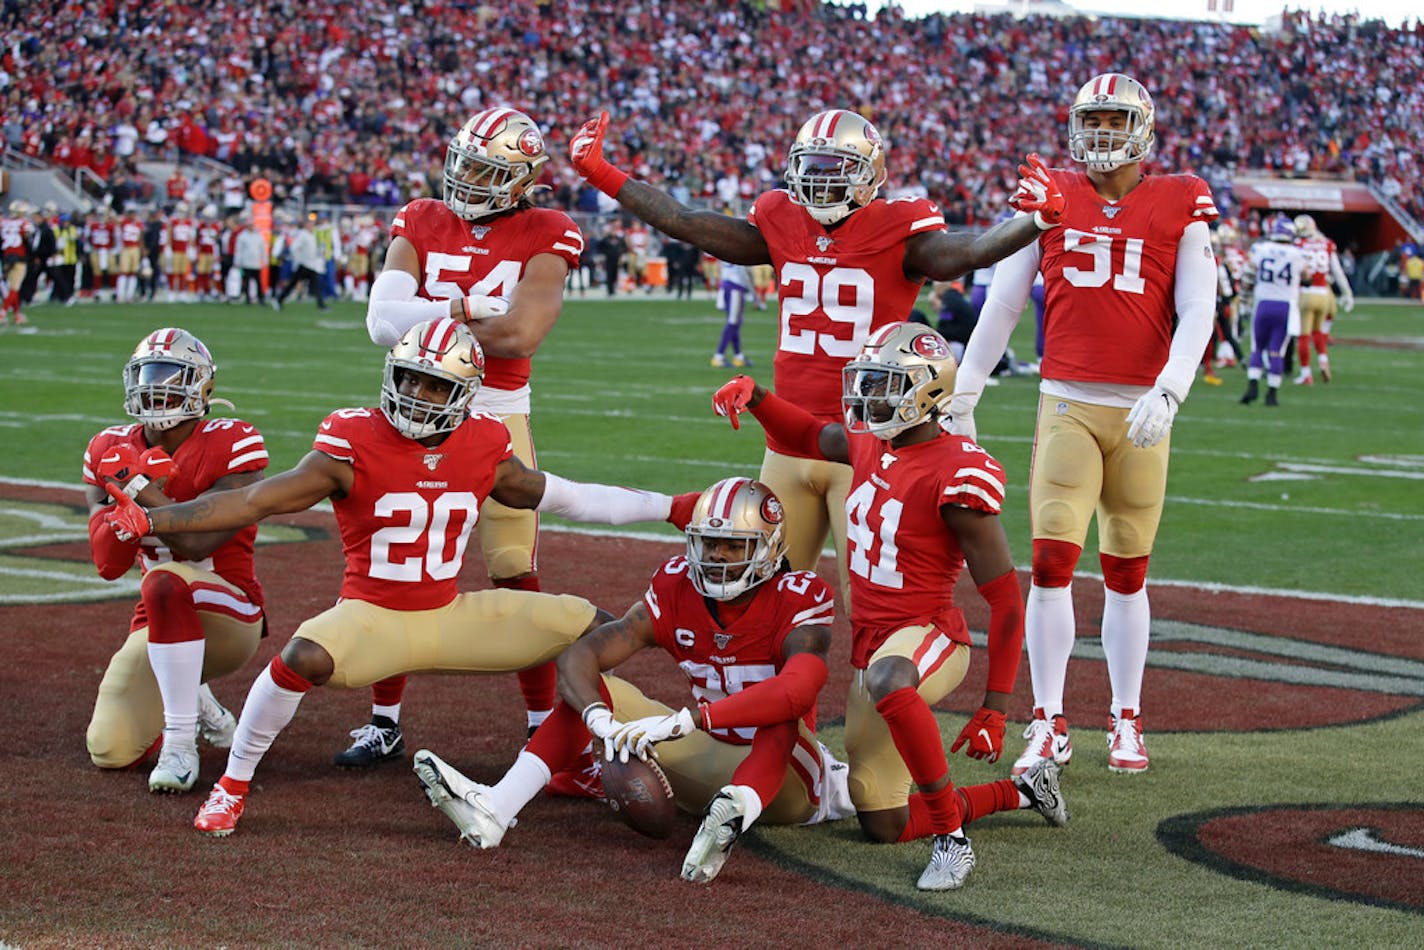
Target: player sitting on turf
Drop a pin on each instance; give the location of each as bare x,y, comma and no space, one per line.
923,504
750,634
407,481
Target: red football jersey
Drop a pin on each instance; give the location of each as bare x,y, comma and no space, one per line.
903,560
718,659
836,285
15,237
407,521
181,234
1110,277
1318,251
216,448
460,258
208,233
100,235
131,232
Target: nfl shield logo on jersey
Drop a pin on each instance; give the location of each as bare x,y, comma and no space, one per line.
1110,211
479,231
721,639
823,243
432,459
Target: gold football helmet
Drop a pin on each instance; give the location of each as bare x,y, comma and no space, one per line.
836,165
169,379
443,349
1305,226
1104,149
743,512
492,162
900,378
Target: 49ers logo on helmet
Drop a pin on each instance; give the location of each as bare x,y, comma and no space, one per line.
872,134
930,347
531,143
771,509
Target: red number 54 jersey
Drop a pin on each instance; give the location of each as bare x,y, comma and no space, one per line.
459,258
719,659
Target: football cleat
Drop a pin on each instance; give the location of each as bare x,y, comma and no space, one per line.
718,361
215,724
462,801
374,743
1253,390
219,814
176,771
1304,378
1047,739
1126,750
1272,399
950,863
1041,784
1211,379
722,825
740,361
1324,362
582,778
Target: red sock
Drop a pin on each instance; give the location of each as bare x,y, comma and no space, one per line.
764,768
918,825
1302,347
561,739
234,786
916,735
168,603
1322,342
539,684
976,801
388,692
286,677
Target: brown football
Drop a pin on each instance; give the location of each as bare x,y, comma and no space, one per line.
641,795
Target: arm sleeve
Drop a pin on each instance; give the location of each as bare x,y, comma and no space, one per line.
785,697
111,556
1196,310
394,307
1338,274
1007,295
792,426
602,504
1006,630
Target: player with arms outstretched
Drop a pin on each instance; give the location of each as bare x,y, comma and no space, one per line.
1130,297
750,635
485,256
847,262
923,504
199,615
407,482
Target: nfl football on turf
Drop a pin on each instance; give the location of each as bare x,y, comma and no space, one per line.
641,795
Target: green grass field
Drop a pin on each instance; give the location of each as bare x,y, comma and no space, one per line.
1321,496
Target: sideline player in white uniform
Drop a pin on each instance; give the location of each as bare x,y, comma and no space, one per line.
1273,279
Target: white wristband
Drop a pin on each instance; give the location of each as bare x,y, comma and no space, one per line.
136,484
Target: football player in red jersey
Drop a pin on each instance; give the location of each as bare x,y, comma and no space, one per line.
1317,301
407,482
15,232
923,504
751,636
199,614
1131,299
846,263
486,256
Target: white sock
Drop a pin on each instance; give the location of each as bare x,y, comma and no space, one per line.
536,717
1049,632
525,779
390,712
265,713
1127,621
178,667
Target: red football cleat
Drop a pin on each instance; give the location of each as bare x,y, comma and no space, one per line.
219,814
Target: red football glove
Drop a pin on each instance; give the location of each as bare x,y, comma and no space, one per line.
682,505
586,153
134,470
129,521
120,462
985,735
731,400
1039,193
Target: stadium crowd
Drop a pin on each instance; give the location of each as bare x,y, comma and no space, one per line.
354,103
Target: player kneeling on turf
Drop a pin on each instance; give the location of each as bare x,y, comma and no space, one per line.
407,482
750,634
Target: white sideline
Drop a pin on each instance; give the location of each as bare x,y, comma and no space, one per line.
1204,586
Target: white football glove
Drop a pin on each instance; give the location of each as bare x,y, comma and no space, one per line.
481,307
1347,304
639,736
601,723
1151,418
961,416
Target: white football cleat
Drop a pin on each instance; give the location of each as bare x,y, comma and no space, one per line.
1047,739
1127,752
177,769
215,724
950,863
461,800
721,827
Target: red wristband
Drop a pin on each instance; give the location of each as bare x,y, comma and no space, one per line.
607,178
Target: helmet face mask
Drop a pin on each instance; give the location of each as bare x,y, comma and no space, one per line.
1101,143
734,539
169,379
837,164
901,378
492,162
441,350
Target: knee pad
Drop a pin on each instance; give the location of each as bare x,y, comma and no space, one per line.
1124,575
168,602
1053,562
